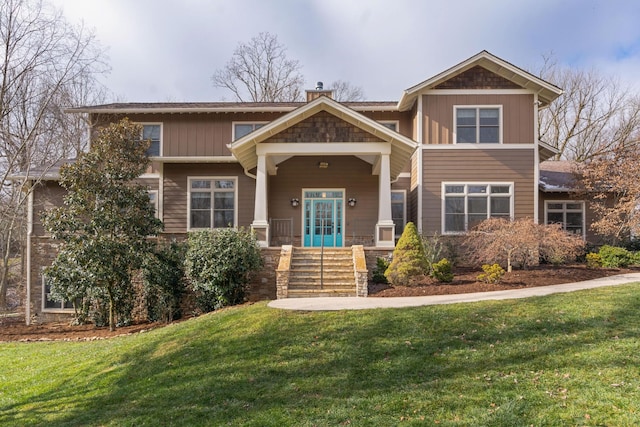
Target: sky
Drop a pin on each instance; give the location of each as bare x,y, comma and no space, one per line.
167,50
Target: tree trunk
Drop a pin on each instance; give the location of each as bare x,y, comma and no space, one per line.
112,321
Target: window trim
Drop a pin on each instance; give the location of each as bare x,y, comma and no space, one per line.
564,212
161,149
478,108
245,122
466,184
46,309
212,178
404,209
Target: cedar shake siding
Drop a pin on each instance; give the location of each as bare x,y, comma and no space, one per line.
344,172
517,119
176,192
478,78
450,165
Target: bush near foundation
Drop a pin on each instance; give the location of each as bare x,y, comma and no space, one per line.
409,260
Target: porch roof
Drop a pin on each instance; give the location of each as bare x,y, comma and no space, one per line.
401,147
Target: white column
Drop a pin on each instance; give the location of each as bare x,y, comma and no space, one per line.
384,228
260,224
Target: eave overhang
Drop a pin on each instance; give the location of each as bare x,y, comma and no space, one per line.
546,91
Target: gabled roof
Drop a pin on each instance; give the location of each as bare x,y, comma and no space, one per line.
244,149
546,91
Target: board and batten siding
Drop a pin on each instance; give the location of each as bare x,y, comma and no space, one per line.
451,165
176,192
517,119
344,172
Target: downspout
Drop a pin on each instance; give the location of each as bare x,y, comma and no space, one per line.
249,174
536,161
420,164
27,312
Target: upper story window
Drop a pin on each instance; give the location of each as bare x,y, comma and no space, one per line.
391,124
465,205
478,124
570,214
153,132
212,202
241,129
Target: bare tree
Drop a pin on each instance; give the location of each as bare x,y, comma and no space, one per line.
611,183
344,91
595,113
46,65
260,71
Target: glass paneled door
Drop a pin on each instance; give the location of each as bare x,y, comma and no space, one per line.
323,218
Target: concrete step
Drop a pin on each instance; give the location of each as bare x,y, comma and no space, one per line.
320,293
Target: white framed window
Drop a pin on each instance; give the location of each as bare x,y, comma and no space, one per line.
212,202
153,132
399,210
464,205
569,213
153,200
241,129
391,124
480,124
49,304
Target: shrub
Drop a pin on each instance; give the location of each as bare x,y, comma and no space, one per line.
219,264
635,258
615,257
593,260
164,285
442,271
433,250
378,273
492,273
521,242
408,258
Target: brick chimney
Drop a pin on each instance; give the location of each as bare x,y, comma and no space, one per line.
318,92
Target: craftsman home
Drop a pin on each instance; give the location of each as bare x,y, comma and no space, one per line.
455,149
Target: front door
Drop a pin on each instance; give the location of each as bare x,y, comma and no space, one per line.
323,218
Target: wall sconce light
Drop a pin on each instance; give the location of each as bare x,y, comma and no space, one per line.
352,202
295,202
323,165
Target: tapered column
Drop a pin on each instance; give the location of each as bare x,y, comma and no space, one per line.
260,223
385,237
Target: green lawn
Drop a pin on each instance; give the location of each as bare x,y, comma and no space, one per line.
571,359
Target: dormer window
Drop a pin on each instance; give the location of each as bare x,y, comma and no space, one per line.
480,124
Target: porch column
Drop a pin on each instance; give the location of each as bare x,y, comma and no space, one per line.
260,224
385,229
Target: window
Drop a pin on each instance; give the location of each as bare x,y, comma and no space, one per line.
153,133
241,129
392,124
48,303
465,205
398,210
153,200
568,213
212,202
478,125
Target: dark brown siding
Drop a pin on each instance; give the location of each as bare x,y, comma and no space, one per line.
515,166
348,173
517,119
175,192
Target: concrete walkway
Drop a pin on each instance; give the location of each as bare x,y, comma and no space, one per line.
354,303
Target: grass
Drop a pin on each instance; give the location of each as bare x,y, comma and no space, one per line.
567,359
